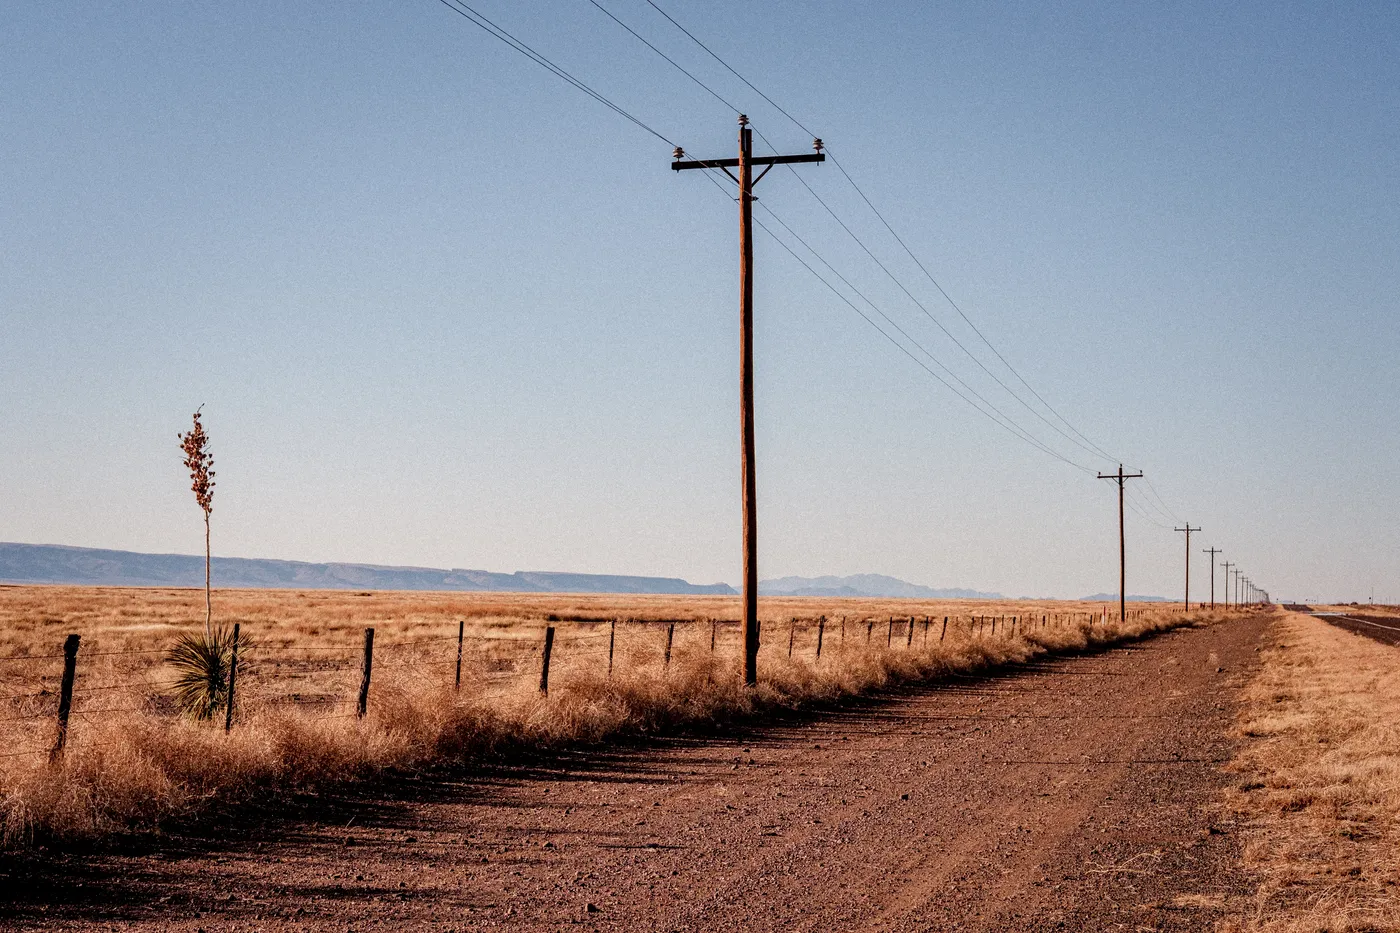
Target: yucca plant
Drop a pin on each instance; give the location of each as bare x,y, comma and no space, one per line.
200,462
201,663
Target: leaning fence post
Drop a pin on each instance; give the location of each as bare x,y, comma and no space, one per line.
945,629
232,680
461,629
612,640
889,635
821,629
792,632
670,640
65,696
364,678
544,665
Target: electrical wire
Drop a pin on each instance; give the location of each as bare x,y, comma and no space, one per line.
477,19
1079,439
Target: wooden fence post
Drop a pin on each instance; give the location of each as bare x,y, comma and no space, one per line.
232,680
821,630
714,623
363,705
544,667
909,635
461,630
670,639
792,633
945,629
889,635
612,640
65,695
869,628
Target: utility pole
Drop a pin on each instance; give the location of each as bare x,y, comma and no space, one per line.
1237,585
1186,601
1227,565
1212,552
745,180
1120,477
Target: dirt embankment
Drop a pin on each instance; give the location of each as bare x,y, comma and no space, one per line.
1076,794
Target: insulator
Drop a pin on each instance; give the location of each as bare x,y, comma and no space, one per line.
817,144
678,154
743,120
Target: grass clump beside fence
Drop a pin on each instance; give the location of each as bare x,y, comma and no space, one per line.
135,768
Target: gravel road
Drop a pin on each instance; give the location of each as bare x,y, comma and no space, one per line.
1075,794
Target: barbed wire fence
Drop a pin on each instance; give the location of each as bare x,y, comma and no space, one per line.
51,692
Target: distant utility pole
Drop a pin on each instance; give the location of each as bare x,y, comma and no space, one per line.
745,180
1212,552
1186,601
1120,477
1238,572
1227,565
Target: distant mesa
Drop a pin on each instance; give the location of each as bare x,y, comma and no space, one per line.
80,566
1113,598
868,585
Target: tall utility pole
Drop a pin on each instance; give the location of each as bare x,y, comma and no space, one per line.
1227,565
1237,573
1186,600
1120,477
745,180
1212,552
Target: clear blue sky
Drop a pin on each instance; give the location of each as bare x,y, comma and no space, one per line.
443,309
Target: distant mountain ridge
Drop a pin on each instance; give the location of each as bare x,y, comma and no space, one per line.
1113,598
53,563
869,585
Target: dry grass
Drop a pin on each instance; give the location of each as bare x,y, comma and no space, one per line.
1321,782
132,763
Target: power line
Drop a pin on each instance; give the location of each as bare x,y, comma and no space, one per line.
1007,424
1083,441
477,19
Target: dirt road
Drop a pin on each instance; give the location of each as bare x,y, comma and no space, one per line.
1073,795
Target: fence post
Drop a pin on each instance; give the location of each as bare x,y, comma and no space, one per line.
670,640
544,666
994,626
612,640
909,635
364,678
889,635
869,628
232,680
461,629
65,696
714,623
821,630
945,629
792,633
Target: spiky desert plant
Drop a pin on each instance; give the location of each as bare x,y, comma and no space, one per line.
201,665
200,462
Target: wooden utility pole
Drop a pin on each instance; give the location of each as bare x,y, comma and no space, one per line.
1120,477
1227,565
1212,552
1186,600
745,180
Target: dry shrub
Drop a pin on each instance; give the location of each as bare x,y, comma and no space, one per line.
1320,787
134,771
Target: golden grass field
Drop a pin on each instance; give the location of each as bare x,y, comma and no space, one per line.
1320,794
132,761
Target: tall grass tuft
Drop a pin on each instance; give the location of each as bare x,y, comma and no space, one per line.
201,663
